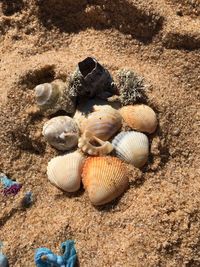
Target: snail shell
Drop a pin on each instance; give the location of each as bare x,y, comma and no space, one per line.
65,171
103,123
132,147
51,97
61,132
104,178
140,117
85,144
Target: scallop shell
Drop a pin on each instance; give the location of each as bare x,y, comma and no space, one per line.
61,132
132,147
103,123
104,178
140,117
86,145
51,97
65,171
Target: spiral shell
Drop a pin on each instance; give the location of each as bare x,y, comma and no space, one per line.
104,178
132,147
51,97
86,145
61,132
103,123
65,171
140,118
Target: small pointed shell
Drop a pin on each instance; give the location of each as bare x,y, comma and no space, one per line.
104,178
140,118
85,144
103,123
65,171
51,97
132,147
61,132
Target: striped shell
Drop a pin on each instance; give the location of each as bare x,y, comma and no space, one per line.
132,147
51,97
61,132
65,171
103,123
104,178
87,144
140,118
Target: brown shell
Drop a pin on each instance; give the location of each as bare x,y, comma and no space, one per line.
103,123
104,178
141,118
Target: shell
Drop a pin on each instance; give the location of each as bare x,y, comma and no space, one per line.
140,117
85,144
104,178
61,132
51,97
132,147
65,171
103,123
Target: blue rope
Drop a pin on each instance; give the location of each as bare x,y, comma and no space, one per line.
3,258
6,182
44,257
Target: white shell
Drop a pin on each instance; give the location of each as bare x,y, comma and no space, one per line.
132,147
61,132
103,123
85,144
51,97
65,171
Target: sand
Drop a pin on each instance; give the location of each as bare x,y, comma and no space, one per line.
156,222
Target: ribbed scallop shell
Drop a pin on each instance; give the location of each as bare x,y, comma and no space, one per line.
140,117
103,123
51,97
104,178
61,132
132,147
65,171
87,144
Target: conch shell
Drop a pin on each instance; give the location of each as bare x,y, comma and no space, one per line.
104,178
61,132
141,118
85,144
51,97
103,123
132,147
65,171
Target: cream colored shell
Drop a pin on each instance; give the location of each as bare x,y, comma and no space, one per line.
61,132
86,145
139,117
103,123
51,97
65,171
104,178
132,147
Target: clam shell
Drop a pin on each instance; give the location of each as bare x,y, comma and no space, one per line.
61,132
104,178
86,145
132,147
140,117
103,123
51,97
65,171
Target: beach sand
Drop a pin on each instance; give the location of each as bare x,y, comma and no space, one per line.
156,222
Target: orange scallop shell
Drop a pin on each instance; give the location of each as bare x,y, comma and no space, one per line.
104,178
141,118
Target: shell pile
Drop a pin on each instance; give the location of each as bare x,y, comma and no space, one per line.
95,135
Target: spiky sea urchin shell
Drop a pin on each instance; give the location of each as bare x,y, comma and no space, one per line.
131,87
